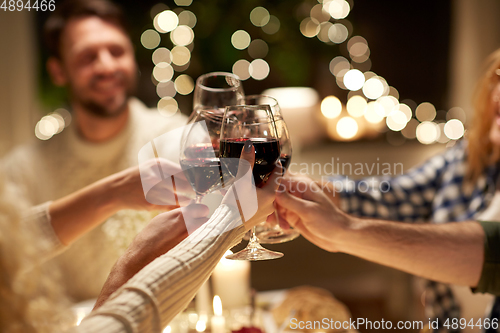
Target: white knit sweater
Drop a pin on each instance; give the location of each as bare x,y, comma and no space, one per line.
51,169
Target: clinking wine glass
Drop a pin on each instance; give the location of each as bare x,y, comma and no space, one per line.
255,123
266,232
217,90
200,153
214,91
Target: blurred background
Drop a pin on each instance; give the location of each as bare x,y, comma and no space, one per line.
358,81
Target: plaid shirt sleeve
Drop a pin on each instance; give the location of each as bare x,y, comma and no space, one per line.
407,197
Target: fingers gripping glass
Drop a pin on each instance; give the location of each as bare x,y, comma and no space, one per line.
255,123
273,233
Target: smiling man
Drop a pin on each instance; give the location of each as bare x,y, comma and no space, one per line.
92,55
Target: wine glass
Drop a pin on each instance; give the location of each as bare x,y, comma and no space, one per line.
214,91
255,123
217,90
266,232
200,153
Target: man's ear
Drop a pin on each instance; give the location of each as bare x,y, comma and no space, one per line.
56,71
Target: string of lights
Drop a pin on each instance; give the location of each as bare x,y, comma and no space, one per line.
372,105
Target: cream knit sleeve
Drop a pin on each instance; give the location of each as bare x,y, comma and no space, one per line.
37,220
152,298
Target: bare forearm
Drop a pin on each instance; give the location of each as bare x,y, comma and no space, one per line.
79,212
451,252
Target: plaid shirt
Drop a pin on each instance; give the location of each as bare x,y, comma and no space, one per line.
433,191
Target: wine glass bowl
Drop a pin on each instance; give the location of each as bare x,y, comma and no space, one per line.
217,90
266,232
200,153
255,123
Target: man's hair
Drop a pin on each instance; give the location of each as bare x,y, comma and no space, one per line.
71,9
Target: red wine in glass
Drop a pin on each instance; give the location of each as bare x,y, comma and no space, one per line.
285,161
267,153
201,168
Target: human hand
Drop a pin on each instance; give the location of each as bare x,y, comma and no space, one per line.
161,234
156,184
254,203
303,205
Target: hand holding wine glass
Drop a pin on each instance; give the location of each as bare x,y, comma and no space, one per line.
271,232
255,123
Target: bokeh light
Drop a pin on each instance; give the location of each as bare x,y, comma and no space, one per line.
425,112
182,35
396,120
454,129
340,78
157,9
388,104
357,46
338,64
338,9
183,2
161,54
427,132
180,55
373,88
52,124
354,79
373,112
157,25
309,27
410,130
273,26
188,18
442,138
167,106
456,113
150,39
406,110
338,33
356,106
240,39
166,89
331,107
163,72
392,92
241,68
347,127
184,84
168,20
324,29
258,49
259,69
318,13
259,16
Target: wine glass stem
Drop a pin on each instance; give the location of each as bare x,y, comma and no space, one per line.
198,199
254,241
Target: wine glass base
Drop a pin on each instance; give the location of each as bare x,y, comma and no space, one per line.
255,252
276,237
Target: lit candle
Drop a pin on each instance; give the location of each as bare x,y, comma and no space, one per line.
202,300
218,321
231,281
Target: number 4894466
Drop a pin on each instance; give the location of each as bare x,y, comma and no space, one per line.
19,5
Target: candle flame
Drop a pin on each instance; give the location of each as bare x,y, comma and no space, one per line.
217,306
201,326
167,329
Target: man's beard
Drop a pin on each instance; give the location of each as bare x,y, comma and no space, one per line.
100,109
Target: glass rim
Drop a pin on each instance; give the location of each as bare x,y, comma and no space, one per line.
204,76
262,96
211,113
